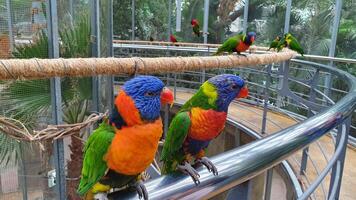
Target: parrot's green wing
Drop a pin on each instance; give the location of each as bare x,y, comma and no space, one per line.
94,166
230,44
177,132
196,30
294,45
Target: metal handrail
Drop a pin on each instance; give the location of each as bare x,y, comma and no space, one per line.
241,164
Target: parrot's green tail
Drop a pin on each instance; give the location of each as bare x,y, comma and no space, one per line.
169,166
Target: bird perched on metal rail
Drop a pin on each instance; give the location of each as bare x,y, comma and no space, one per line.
201,119
123,146
238,43
196,27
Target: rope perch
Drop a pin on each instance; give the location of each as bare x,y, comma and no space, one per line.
47,68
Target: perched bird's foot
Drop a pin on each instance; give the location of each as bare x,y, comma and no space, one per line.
101,196
208,164
189,170
241,55
141,190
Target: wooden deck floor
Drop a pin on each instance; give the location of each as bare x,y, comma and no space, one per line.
251,116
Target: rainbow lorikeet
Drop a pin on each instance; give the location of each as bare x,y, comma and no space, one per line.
195,26
124,145
293,43
238,43
274,43
173,39
201,119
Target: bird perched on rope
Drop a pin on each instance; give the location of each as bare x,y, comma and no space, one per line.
201,119
274,43
292,43
196,27
123,146
238,43
173,39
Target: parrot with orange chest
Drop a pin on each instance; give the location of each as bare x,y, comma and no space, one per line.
238,43
201,119
123,146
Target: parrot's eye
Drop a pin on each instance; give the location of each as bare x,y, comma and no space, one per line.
234,87
150,94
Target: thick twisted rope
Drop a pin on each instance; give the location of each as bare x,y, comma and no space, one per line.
47,68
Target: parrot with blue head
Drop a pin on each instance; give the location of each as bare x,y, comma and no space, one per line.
238,43
123,146
201,119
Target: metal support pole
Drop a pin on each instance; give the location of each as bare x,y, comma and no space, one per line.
287,18
179,15
175,86
341,159
10,22
71,9
133,19
169,19
332,48
110,78
268,189
24,177
205,32
244,25
95,32
56,99
266,98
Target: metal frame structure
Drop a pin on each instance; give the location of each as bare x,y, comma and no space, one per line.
240,164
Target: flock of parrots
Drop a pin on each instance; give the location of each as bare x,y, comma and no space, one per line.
125,144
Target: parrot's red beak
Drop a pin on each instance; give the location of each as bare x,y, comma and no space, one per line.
243,92
252,39
167,97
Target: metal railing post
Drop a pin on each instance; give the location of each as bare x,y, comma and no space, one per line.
268,189
56,99
205,31
336,174
312,97
266,98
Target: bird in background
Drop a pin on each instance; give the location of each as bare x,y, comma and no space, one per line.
201,119
293,43
238,43
196,27
151,39
124,145
173,39
274,43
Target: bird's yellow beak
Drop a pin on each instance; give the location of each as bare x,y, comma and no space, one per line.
243,92
167,97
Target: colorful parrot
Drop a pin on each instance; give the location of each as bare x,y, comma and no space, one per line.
293,43
173,39
195,26
201,119
238,43
123,146
274,43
